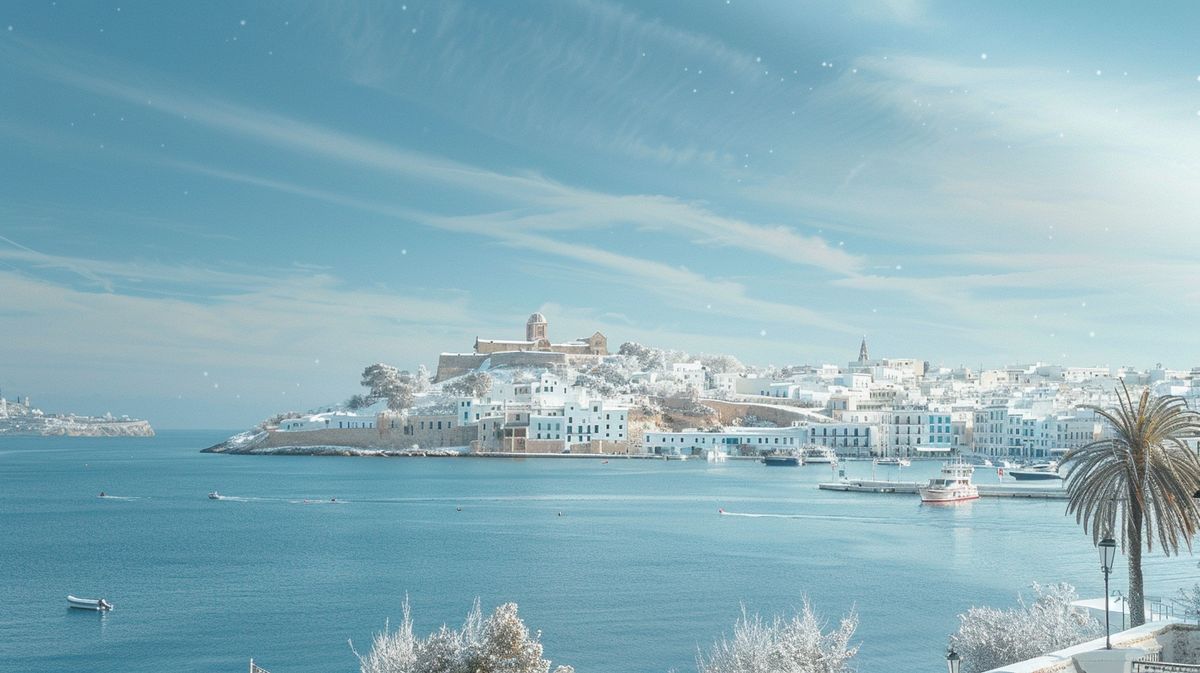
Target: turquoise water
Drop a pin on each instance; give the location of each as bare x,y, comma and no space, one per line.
638,571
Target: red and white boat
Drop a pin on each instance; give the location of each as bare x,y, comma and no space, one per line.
952,485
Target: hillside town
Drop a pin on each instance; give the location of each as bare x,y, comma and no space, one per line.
533,396
21,418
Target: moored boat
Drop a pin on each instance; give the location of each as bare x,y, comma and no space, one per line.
1036,472
88,603
953,484
893,460
783,461
820,454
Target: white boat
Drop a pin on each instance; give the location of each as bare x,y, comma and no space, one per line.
715,456
214,496
953,484
819,454
893,460
88,603
1036,472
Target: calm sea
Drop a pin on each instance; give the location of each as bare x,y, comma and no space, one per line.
637,572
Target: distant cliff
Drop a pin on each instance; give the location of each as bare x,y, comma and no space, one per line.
73,426
22,419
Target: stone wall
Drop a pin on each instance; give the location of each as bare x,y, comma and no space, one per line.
456,364
374,438
728,411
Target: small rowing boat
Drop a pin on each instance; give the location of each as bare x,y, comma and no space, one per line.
88,603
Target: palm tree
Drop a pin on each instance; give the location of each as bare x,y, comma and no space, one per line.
1143,476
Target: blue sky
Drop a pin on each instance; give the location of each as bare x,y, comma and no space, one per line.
210,212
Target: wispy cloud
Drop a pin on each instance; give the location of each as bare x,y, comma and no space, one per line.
675,285
556,205
608,77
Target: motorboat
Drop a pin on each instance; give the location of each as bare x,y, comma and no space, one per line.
820,454
715,456
783,460
953,484
1036,472
88,603
893,460
214,496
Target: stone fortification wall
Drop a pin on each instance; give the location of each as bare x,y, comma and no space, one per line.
374,438
527,359
456,364
728,411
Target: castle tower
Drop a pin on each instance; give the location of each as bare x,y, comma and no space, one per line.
535,327
862,351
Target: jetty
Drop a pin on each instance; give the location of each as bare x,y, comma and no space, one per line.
910,487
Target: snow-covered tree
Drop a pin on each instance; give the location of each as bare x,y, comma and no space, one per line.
652,359
798,644
474,384
988,638
385,382
721,364
595,384
357,402
421,379
506,646
500,644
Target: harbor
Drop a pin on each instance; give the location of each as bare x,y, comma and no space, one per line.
911,488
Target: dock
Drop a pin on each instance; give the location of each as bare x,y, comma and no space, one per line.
910,488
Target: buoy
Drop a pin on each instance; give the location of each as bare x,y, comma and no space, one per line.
560,513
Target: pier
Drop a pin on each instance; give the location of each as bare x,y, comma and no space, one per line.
910,487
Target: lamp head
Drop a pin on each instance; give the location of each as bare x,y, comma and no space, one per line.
953,661
1108,553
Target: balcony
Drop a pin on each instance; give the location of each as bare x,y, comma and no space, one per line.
1168,646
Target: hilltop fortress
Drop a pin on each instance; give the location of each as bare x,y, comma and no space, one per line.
535,349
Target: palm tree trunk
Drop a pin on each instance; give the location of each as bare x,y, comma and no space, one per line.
1137,599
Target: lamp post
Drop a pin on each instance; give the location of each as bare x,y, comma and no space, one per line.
1108,552
953,661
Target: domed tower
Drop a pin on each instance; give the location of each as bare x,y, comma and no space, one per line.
535,328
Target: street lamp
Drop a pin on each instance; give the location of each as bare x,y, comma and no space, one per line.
1108,553
953,661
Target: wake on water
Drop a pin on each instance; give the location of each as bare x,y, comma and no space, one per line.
821,517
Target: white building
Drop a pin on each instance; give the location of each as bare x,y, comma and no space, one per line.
917,432
330,420
847,439
732,441
690,375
